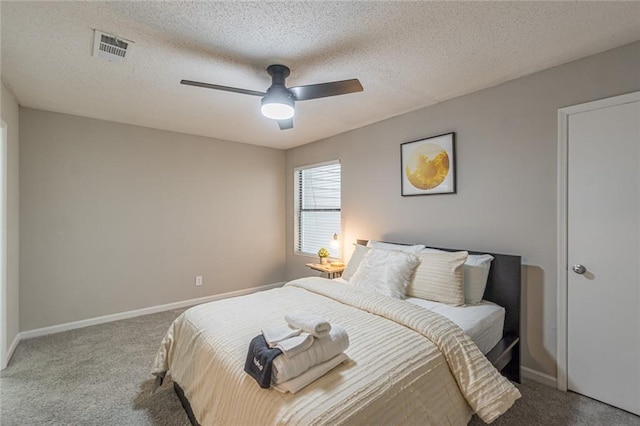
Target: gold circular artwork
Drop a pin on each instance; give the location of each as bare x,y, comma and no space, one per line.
427,166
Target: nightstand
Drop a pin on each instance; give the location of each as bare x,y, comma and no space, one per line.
329,269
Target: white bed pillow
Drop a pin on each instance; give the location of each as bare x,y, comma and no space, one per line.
400,247
358,254
439,278
476,272
386,272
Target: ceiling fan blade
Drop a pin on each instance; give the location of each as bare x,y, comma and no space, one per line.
225,88
322,90
285,124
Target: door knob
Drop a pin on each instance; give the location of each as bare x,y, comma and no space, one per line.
579,269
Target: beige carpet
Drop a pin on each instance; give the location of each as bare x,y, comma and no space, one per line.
100,376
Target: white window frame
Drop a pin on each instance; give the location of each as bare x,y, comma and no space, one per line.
296,207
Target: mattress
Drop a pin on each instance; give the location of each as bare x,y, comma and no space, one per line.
483,322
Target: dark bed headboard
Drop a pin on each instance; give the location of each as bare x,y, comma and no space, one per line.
503,286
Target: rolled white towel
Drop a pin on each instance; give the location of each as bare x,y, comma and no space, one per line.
323,349
308,322
311,375
277,333
294,345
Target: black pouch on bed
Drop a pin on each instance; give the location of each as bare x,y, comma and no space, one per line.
260,361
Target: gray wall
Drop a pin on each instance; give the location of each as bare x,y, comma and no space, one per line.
117,217
506,157
10,113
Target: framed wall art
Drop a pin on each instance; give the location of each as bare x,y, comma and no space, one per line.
429,165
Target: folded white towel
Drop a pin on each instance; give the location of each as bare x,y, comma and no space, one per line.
311,375
323,349
294,345
308,322
273,335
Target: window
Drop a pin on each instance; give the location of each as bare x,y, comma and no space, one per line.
317,204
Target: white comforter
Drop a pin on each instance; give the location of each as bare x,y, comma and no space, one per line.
409,365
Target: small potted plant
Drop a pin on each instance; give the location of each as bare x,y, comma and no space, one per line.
323,254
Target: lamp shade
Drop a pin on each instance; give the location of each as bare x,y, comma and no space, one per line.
278,104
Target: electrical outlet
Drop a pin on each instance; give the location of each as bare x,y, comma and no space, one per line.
199,280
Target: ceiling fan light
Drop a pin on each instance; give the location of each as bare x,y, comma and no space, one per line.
277,111
277,107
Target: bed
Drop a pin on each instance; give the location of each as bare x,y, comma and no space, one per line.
407,364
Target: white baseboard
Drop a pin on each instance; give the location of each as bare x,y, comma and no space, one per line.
537,376
136,313
10,352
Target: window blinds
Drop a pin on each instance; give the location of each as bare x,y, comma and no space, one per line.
318,208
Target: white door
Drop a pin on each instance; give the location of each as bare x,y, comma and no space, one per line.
603,240
3,245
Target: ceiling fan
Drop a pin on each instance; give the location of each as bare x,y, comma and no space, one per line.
278,102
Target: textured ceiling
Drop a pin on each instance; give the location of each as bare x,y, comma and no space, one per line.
406,54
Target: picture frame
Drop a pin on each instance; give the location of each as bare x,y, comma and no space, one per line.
428,166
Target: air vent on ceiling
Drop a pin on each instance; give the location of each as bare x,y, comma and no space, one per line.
109,47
